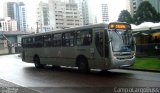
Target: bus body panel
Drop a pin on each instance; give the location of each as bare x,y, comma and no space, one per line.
100,59
99,53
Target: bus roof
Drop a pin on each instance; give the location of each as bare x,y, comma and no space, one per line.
101,25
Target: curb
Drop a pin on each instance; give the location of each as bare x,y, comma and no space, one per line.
145,70
9,87
8,54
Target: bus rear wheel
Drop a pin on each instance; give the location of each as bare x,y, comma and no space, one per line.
37,62
83,65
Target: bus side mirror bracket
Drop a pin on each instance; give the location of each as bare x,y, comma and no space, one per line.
110,40
107,43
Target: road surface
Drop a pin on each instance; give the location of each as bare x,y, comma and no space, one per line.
69,80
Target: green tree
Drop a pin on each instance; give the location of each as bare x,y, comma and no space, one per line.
146,13
125,16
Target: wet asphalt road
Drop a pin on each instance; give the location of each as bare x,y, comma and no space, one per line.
69,80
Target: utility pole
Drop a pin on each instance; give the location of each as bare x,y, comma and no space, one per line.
37,27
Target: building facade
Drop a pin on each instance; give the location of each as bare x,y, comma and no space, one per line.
132,6
85,12
63,15
8,24
88,12
105,14
43,16
16,11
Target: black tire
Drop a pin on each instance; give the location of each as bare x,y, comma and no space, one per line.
83,65
55,67
37,62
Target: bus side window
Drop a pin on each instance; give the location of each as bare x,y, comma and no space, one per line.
38,41
68,39
33,42
57,39
84,37
88,38
72,39
47,40
30,42
24,42
65,41
27,42
53,40
78,38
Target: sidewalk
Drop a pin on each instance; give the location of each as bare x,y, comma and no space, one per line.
146,70
8,87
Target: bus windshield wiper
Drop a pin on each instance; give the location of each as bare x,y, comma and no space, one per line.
119,36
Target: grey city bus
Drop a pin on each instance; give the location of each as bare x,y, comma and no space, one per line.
99,46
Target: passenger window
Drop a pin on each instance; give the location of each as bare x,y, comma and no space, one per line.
47,40
57,38
30,43
24,42
84,37
68,39
38,41
27,42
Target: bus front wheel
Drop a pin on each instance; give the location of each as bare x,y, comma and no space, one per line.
83,65
37,62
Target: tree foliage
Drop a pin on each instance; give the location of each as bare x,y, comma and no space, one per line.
146,13
125,16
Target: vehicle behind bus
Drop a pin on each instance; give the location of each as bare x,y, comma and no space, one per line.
100,46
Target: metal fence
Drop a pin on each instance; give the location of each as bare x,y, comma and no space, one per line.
152,49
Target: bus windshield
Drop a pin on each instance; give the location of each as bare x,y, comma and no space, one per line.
121,40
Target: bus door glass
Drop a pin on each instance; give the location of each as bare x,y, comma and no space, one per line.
99,41
107,44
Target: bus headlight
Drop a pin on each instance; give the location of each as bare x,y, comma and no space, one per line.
132,52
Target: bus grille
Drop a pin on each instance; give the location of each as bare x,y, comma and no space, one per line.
124,57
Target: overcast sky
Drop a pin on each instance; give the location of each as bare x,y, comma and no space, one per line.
115,6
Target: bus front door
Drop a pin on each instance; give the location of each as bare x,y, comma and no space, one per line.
99,45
